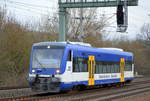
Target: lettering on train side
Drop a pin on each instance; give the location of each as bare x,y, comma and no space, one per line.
104,76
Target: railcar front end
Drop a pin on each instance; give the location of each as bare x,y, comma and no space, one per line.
46,66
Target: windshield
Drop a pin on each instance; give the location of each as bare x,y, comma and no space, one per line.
47,58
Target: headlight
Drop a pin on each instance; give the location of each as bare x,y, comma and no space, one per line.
48,47
33,71
57,71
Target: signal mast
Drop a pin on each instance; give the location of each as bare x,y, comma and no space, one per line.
122,16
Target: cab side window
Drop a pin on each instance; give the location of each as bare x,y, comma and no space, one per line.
69,55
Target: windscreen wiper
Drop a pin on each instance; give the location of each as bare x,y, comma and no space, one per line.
39,63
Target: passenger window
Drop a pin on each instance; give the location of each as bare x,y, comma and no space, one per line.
116,68
108,68
104,68
128,66
101,68
112,68
97,68
80,65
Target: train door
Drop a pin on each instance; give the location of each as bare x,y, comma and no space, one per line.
68,72
122,66
91,70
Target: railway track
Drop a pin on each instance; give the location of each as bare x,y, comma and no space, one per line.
93,95
110,95
9,88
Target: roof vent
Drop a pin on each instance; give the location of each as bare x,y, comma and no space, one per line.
80,43
116,49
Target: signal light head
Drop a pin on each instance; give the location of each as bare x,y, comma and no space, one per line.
120,15
57,71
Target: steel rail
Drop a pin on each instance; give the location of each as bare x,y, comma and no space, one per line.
66,95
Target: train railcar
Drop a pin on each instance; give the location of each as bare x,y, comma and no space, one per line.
61,66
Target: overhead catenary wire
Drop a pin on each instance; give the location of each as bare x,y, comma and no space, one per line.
31,6
28,4
24,6
32,11
28,9
144,8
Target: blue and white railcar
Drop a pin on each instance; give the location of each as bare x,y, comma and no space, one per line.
60,66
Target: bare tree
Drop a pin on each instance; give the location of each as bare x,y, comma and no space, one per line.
144,36
92,24
2,17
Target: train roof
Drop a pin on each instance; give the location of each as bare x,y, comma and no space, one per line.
85,47
101,50
61,43
50,43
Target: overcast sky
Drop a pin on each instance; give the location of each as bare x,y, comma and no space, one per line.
37,9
